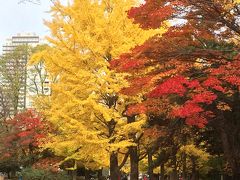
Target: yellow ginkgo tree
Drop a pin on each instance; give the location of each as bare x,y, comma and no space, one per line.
85,107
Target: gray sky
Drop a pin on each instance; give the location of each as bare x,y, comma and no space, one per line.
22,18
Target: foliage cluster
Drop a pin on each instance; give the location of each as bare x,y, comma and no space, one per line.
43,174
152,86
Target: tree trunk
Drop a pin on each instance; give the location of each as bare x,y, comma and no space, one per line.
194,172
173,176
162,171
229,131
133,153
184,175
174,173
229,153
74,175
133,163
150,165
99,174
236,176
114,170
235,135
87,174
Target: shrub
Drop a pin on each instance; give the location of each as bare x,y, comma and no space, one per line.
42,174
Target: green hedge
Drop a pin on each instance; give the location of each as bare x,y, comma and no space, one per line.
39,174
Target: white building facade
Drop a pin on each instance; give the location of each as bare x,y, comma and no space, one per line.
33,80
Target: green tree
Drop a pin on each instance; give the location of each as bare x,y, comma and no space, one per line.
13,74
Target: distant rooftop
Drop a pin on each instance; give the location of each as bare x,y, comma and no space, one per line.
20,39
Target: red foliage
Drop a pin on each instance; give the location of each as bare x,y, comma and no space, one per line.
211,81
138,63
48,163
193,84
225,75
26,142
136,109
137,85
234,80
25,130
24,133
126,63
205,97
187,110
153,132
197,120
173,85
214,83
152,13
6,155
172,59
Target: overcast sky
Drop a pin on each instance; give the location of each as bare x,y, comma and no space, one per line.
22,18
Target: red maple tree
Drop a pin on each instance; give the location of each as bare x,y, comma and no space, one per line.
194,65
23,135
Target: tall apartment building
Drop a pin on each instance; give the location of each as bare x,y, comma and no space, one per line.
23,90
18,40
